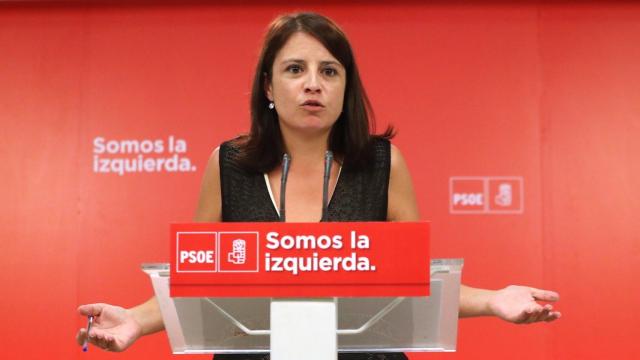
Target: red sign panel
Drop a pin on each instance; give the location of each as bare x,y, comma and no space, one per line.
197,252
300,259
239,251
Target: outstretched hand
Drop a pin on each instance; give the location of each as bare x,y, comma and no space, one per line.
519,304
114,328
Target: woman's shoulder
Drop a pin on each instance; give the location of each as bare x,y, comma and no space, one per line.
380,153
380,142
230,150
383,147
231,146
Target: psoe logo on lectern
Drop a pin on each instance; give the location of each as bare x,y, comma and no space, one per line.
196,252
238,251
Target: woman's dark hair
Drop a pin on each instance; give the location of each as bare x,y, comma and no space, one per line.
351,136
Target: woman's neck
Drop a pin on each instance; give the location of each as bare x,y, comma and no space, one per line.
306,149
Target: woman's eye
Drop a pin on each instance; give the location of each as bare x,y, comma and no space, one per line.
295,69
330,71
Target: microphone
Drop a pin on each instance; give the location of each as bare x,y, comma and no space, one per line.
328,161
283,184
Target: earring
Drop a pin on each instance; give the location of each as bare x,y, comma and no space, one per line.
272,105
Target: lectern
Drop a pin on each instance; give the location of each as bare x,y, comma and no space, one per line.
306,290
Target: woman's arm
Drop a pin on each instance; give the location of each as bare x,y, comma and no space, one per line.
401,205
116,328
517,304
210,200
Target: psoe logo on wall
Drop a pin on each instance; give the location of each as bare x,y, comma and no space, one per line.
486,195
217,252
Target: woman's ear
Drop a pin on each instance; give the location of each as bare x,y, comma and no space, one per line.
267,87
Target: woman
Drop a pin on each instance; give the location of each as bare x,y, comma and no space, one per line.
307,98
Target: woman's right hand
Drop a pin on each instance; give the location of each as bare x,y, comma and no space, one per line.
114,328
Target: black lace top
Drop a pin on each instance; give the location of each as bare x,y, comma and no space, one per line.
359,195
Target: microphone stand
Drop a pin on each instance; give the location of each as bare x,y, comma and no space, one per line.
328,161
283,184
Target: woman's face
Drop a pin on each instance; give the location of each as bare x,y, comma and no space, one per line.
307,85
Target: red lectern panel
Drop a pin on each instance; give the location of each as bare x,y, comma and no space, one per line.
300,259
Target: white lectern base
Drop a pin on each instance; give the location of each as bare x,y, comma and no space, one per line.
304,329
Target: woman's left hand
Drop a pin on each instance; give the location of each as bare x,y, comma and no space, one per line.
519,304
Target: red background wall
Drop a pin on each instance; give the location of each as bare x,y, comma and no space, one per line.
546,92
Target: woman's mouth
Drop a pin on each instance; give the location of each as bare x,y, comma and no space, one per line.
312,105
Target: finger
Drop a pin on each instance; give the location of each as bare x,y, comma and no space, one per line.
92,338
548,314
107,343
534,312
100,342
103,340
550,318
97,333
110,342
545,295
533,317
544,313
523,318
81,336
554,315
558,314
91,309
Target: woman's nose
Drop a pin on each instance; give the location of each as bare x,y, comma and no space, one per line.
312,83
